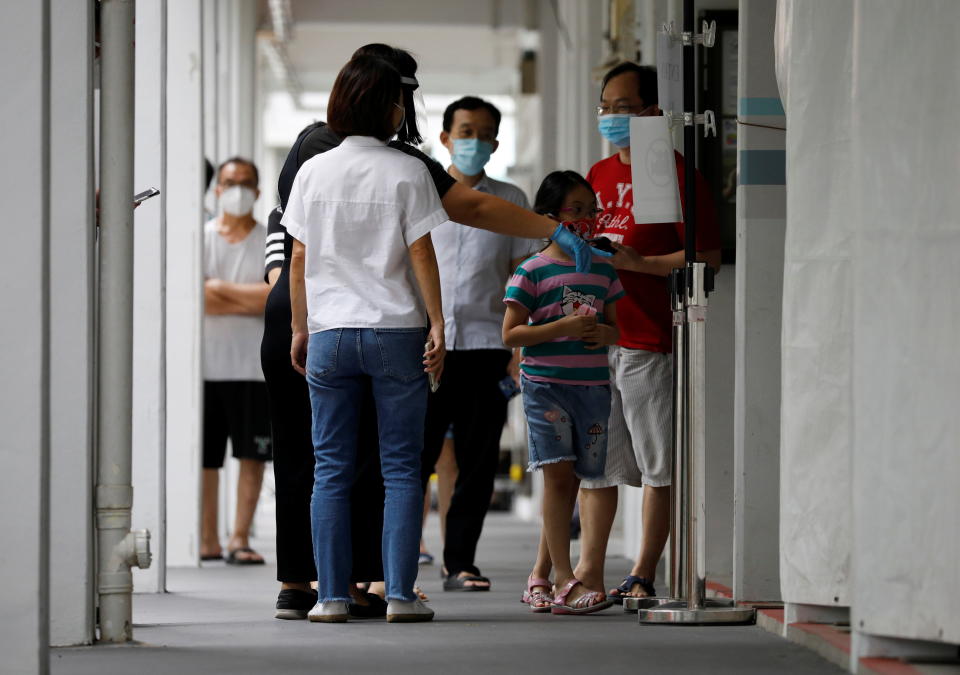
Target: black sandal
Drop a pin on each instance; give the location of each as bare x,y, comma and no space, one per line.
454,582
232,559
628,583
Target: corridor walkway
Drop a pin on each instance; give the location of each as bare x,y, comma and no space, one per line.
219,620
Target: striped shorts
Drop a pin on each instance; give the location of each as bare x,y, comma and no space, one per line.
639,440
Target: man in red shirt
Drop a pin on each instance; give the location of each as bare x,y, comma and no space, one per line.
640,429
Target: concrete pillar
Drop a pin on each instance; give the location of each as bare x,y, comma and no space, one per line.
184,275
236,68
149,339
25,352
546,77
223,86
243,58
72,233
761,222
579,49
211,88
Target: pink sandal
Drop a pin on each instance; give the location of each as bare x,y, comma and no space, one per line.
534,598
588,603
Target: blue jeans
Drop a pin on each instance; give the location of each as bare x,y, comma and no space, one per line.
567,423
338,363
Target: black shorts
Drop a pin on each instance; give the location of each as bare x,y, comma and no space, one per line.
238,411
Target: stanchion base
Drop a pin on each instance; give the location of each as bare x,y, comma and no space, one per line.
635,604
714,613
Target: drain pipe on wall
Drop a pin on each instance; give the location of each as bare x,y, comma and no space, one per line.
118,548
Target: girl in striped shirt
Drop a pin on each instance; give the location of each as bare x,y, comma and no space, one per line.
564,321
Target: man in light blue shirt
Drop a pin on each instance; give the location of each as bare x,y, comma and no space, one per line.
474,267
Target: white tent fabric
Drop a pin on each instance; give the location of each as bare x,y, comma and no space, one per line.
906,185
813,67
871,376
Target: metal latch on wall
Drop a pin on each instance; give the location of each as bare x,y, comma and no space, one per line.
707,38
686,119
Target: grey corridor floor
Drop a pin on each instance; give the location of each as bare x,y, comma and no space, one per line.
219,619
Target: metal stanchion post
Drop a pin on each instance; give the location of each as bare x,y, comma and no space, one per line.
688,576
687,602
690,287
678,507
694,485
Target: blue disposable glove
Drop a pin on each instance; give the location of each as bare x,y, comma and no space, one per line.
575,247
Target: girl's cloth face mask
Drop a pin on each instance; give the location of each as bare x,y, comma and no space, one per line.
582,227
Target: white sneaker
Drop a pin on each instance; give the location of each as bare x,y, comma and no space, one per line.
403,611
329,612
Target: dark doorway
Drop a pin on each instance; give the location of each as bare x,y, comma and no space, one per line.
717,156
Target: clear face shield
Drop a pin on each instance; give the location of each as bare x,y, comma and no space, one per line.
414,128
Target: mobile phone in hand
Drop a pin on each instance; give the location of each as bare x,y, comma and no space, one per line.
434,385
603,244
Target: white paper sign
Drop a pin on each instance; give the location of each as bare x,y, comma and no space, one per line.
656,196
669,73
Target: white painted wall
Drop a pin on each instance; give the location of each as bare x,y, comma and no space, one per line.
25,355
149,351
761,213
184,274
719,408
72,261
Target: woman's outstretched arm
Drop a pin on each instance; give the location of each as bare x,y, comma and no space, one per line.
479,209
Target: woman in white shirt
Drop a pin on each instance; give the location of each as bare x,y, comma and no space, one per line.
365,295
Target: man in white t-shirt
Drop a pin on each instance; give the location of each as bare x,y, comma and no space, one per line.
235,396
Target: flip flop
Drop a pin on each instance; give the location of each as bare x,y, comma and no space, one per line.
454,582
425,559
628,583
588,603
208,558
232,558
534,598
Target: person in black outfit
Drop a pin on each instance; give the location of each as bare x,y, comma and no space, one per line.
289,399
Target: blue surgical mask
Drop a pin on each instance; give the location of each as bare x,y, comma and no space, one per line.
470,155
615,128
